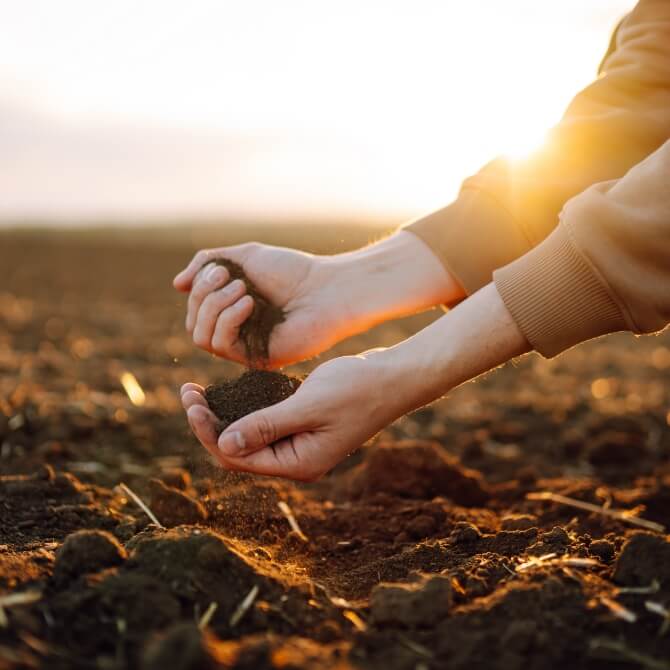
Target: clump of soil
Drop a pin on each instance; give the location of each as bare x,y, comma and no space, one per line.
411,604
232,399
256,330
87,551
416,470
174,507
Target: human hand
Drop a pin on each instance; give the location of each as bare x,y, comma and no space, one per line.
341,405
326,298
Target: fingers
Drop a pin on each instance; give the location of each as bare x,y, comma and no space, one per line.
209,279
203,424
292,457
213,306
201,419
227,328
184,280
263,428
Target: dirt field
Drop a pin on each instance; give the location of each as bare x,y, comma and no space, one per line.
421,551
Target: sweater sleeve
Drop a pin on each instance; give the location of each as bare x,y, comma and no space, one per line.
511,206
606,267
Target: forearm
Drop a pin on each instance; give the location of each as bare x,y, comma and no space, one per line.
394,277
476,336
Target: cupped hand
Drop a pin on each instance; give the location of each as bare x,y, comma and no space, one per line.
341,405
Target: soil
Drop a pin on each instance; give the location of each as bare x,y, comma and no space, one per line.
232,399
423,550
255,332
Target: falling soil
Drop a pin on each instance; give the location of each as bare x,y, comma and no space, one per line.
255,332
232,399
423,550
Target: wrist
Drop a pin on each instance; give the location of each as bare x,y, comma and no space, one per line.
392,278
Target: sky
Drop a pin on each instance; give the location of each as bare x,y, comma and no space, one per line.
265,109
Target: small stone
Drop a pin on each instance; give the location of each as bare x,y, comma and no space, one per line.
422,603
87,551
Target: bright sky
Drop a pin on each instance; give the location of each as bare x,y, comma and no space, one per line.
267,108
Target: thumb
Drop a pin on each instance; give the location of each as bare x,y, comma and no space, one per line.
262,428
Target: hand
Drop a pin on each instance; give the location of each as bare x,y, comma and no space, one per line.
341,405
326,298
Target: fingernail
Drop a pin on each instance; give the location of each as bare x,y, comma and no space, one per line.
210,274
232,444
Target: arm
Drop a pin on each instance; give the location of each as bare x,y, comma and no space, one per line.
511,206
605,268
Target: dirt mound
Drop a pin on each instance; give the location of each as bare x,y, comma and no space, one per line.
232,399
255,332
416,470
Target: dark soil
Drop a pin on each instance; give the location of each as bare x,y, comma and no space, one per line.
232,399
416,544
255,332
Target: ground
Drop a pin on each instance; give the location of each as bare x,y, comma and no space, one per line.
423,550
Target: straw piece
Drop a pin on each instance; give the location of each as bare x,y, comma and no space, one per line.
619,611
288,513
207,616
141,504
244,606
622,515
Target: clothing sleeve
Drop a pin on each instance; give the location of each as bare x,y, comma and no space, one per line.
606,267
509,207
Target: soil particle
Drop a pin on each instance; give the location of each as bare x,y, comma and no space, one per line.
556,535
255,332
643,558
602,549
173,507
421,470
230,400
422,603
87,551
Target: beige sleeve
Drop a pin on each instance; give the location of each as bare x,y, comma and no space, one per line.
605,268
509,207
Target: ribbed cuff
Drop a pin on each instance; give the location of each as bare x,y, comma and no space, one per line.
556,297
472,236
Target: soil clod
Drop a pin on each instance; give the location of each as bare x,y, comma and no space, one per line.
232,399
174,507
87,551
